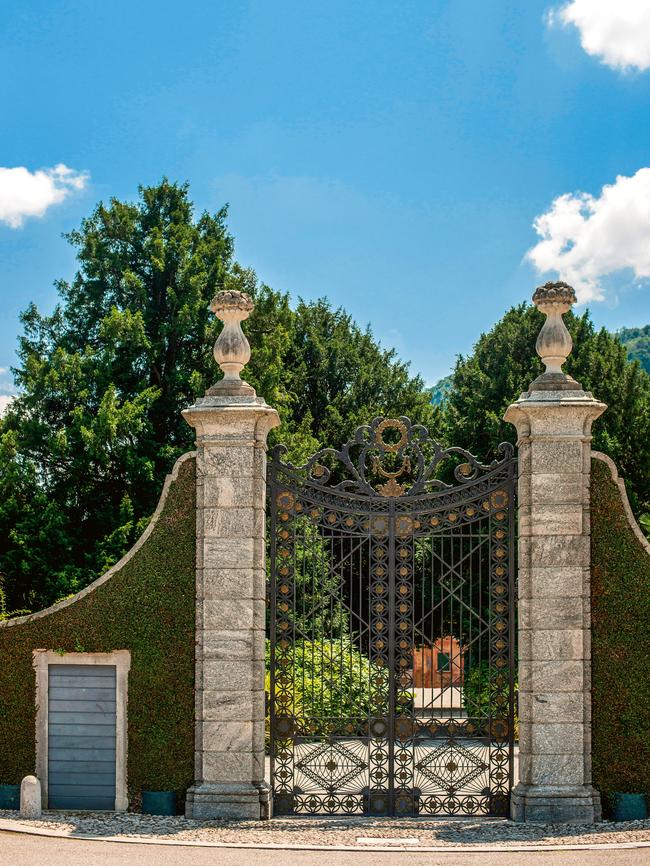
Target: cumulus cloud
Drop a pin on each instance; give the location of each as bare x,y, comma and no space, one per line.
5,400
24,193
6,387
585,238
615,31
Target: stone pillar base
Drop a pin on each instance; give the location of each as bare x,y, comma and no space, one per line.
555,805
241,802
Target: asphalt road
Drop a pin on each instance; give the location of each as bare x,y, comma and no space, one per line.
21,850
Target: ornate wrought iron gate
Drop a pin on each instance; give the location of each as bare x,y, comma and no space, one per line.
391,626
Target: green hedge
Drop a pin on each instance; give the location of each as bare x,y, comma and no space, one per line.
146,607
620,644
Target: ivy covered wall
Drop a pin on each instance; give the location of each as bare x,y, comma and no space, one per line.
620,586
146,606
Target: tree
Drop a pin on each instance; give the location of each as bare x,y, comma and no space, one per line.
85,447
504,363
343,378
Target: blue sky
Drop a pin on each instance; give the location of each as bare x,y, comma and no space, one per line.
392,156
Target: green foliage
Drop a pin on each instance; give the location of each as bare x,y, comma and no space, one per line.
644,523
147,606
333,678
477,690
504,363
637,344
84,449
620,588
327,682
340,376
316,608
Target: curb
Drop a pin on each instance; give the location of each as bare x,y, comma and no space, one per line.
17,827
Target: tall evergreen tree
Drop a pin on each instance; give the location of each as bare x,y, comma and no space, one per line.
504,363
85,447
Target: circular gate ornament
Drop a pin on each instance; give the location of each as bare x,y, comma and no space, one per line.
391,424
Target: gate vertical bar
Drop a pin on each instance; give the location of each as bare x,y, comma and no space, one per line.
378,796
392,693
272,603
512,620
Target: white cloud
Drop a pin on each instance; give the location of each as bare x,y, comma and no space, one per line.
24,193
615,31
5,400
585,238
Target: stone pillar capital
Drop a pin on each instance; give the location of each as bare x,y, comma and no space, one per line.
226,418
554,413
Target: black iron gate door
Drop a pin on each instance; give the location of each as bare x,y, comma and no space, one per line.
391,664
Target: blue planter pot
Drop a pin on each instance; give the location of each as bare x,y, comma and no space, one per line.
629,807
158,802
9,796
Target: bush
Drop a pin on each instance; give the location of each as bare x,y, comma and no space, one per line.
477,690
328,686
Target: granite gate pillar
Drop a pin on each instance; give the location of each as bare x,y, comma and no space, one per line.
231,425
553,421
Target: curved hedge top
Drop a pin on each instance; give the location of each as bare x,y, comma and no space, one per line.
620,589
146,604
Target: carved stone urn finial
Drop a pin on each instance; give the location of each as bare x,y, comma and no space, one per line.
232,350
554,342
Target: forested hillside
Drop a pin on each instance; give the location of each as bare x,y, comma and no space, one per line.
637,343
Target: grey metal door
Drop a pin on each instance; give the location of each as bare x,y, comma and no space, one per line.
81,737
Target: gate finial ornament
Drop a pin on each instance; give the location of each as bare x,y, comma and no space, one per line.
232,350
554,342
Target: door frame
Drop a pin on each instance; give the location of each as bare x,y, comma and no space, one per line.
121,660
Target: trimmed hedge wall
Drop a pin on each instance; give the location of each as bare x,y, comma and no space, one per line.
146,607
620,586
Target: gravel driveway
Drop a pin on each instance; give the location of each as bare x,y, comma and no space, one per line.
341,831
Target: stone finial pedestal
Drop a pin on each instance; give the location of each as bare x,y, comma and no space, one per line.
231,430
554,429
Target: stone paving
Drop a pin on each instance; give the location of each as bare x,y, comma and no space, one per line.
338,831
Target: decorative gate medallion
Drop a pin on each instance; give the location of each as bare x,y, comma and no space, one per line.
392,606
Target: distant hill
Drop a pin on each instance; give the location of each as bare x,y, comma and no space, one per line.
637,343
440,389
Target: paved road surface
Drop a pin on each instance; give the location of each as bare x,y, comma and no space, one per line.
21,850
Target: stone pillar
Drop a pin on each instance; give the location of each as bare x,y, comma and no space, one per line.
231,426
553,421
